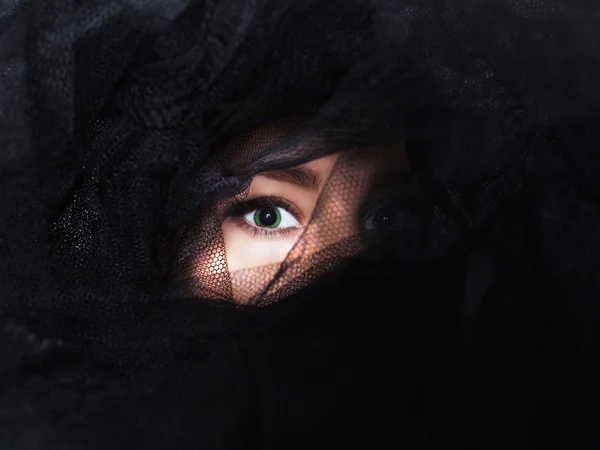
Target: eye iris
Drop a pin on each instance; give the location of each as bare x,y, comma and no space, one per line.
267,217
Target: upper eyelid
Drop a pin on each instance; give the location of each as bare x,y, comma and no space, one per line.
247,206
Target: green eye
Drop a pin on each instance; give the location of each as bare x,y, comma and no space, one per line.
267,217
271,218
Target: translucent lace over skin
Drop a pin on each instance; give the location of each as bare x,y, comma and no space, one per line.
265,224
341,209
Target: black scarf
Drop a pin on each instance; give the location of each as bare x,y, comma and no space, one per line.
469,324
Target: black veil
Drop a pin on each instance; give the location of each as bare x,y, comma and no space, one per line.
467,322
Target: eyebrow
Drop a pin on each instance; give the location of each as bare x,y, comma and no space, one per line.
299,176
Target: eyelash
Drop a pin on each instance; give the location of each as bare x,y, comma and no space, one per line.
238,210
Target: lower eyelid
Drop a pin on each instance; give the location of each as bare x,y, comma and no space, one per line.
240,222
274,234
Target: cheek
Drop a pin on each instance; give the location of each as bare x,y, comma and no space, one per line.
244,251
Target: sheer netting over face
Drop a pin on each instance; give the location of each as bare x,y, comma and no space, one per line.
290,224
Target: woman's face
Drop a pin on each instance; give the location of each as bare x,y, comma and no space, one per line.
317,202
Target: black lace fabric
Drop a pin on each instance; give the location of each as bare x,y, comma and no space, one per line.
439,290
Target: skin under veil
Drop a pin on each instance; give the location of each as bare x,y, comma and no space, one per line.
247,247
279,209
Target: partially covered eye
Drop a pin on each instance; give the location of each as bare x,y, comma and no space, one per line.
381,218
271,217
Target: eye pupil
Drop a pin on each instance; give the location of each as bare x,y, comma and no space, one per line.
267,217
